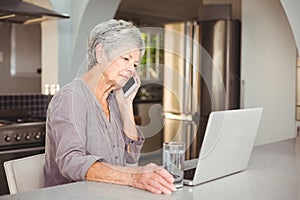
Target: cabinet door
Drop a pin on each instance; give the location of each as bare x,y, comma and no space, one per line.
25,58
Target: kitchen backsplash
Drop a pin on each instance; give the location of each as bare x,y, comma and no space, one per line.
36,103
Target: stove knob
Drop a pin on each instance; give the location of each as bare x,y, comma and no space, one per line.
18,137
27,137
37,136
7,138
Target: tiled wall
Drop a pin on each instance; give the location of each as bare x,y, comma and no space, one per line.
36,103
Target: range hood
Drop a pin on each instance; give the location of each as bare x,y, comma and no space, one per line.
17,11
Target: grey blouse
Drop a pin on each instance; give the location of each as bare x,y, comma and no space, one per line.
78,134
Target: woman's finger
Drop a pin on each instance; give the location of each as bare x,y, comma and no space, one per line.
167,187
155,184
165,174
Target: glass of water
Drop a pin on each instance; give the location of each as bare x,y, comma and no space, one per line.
173,159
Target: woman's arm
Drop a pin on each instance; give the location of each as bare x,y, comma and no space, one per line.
129,126
150,177
132,135
126,110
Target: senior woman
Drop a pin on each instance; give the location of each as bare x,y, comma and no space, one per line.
91,133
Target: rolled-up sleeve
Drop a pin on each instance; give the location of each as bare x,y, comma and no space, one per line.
68,121
133,147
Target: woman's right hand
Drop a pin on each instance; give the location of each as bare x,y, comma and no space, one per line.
153,178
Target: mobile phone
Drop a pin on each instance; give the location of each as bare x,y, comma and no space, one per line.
129,87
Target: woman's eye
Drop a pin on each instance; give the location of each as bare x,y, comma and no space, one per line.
135,65
127,59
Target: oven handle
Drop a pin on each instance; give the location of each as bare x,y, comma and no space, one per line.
22,150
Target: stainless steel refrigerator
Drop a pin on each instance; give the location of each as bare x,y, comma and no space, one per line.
201,74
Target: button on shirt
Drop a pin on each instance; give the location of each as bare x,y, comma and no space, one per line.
78,134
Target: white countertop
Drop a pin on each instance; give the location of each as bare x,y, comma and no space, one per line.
273,173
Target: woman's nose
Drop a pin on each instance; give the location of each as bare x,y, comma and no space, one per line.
130,71
131,65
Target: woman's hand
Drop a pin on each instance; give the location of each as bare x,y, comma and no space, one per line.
128,100
153,178
126,110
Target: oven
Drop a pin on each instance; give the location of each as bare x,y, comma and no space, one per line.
19,139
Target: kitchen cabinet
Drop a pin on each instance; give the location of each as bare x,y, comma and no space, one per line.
25,57
14,84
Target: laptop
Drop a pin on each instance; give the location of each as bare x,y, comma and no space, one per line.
227,145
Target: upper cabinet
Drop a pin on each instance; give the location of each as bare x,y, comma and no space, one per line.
15,84
25,56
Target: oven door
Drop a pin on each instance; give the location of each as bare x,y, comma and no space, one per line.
14,153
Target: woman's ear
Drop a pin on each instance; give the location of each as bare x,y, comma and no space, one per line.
99,53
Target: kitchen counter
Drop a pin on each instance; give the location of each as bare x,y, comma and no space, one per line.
273,173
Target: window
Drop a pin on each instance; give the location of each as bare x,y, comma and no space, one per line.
151,63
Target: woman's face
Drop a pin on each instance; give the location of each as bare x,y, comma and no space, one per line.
121,69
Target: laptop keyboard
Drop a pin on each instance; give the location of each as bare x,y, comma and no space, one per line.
189,174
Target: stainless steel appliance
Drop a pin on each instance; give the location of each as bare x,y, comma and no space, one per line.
20,136
201,74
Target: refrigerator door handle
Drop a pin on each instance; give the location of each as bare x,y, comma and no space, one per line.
181,117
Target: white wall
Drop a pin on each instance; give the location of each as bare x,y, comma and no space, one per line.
268,67
95,12
68,30
49,47
292,11
73,33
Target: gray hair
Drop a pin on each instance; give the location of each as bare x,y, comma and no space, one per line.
113,35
